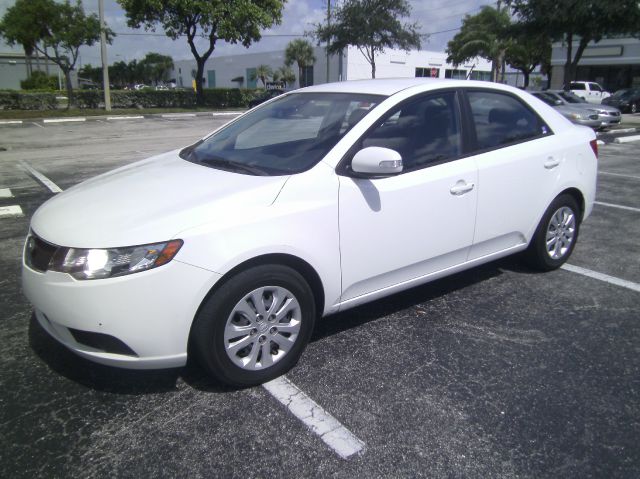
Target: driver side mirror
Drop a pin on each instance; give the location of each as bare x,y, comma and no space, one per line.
377,161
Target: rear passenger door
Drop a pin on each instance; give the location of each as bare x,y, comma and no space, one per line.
517,160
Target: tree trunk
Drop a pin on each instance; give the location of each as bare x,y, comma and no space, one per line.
373,68
526,73
67,82
567,64
576,58
199,74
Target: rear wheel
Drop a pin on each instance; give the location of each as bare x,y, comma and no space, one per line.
556,235
256,326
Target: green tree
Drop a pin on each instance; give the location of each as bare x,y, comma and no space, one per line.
156,67
56,30
527,50
486,35
233,21
285,75
577,20
264,72
371,26
301,52
89,72
39,80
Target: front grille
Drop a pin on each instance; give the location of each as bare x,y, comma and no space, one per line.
38,253
615,113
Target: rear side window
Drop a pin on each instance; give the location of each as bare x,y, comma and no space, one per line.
577,86
594,87
502,119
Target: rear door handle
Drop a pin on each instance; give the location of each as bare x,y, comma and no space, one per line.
551,163
461,187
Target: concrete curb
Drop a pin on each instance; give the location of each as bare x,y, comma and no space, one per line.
116,117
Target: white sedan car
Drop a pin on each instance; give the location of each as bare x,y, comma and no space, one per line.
315,202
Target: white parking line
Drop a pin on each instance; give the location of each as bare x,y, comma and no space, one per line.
627,139
13,210
602,277
330,430
6,193
227,113
619,174
38,125
620,207
41,178
178,115
10,122
63,120
621,131
131,117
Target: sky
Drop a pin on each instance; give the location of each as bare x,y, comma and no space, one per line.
440,18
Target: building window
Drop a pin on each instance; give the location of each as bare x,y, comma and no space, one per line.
478,75
428,72
456,74
307,76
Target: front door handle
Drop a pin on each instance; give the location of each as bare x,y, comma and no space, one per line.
551,163
461,187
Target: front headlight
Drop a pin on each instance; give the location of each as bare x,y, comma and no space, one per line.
575,116
108,263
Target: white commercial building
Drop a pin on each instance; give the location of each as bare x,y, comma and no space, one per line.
238,71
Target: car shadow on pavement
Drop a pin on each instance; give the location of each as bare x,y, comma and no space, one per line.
395,303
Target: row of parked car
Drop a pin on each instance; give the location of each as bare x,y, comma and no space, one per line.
588,104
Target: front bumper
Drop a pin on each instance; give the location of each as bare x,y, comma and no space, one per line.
150,312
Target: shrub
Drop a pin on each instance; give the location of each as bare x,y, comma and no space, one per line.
40,81
11,100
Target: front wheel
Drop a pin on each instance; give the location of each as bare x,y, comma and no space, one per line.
556,235
256,326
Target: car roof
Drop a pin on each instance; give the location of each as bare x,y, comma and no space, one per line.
391,86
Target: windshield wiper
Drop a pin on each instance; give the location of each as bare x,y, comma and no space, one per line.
233,166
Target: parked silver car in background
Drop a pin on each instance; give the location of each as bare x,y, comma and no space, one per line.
607,114
578,115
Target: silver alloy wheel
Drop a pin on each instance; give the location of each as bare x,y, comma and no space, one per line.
262,328
560,232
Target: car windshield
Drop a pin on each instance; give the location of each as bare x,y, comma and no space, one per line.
289,135
547,98
571,97
621,93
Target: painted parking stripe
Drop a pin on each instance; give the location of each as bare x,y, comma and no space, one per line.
130,117
10,122
63,120
608,173
5,193
38,125
227,113
620,207
621,131
178,115
602,277
330,430
10,211
41,178
627,139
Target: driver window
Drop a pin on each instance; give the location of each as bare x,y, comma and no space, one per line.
424,131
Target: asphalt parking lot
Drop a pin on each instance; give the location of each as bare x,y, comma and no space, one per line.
495,372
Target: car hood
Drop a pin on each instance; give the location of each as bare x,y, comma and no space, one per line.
568,110
149,201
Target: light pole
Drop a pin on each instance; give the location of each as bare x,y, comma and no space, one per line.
103,54
328,37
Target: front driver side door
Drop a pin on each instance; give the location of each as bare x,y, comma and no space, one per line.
397,229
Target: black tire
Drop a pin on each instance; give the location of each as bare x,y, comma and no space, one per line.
208,332
536,254
634,107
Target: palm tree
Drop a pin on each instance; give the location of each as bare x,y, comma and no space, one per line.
301,52
285,75
263,72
